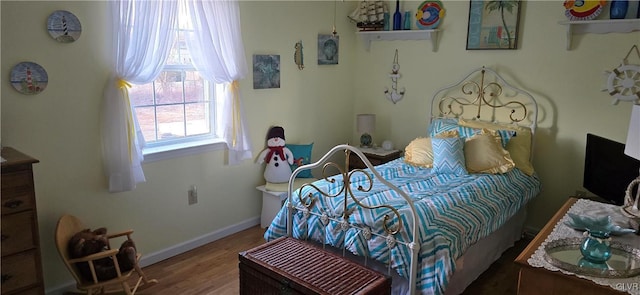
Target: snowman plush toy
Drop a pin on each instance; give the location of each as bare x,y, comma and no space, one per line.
277,157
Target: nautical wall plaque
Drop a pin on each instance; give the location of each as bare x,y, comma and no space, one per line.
29,78
63,26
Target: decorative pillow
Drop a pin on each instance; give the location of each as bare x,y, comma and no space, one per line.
519,146
483,153
448,155
301,156
441,125
419,152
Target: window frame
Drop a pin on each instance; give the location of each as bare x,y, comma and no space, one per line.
189,144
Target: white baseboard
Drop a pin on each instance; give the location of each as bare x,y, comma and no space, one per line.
149,259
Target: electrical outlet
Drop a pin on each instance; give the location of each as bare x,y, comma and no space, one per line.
193,195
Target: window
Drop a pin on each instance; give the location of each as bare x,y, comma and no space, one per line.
178,109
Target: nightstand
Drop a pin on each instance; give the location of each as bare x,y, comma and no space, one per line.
376,156
271,204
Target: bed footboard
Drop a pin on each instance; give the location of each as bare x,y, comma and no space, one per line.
397,228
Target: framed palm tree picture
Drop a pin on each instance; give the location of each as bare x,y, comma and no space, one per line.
493,24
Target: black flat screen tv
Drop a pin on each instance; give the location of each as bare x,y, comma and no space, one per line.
607,170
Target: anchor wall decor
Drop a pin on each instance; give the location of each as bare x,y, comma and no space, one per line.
394,95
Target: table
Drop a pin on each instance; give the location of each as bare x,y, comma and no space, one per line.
271,203
376,156
538,280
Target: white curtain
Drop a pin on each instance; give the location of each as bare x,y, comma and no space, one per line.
218,53
143,34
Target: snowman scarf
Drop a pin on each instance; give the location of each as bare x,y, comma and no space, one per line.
275,149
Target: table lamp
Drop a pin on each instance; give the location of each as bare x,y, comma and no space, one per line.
632,148
366,124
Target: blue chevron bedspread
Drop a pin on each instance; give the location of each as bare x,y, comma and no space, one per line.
454,212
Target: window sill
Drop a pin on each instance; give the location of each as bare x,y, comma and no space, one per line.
152,154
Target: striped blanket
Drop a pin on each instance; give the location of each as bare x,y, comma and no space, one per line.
454,212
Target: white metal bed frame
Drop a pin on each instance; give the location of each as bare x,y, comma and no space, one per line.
474,94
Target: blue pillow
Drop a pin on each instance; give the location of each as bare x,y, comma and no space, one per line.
448,156
440,125
301,156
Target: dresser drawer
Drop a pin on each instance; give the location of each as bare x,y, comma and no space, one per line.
17,233
16,181
17,202
18,271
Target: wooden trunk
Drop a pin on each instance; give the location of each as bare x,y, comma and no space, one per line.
290,266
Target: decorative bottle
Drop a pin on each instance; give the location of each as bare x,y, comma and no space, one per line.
618,9
407,20
387,21
397,17
596,247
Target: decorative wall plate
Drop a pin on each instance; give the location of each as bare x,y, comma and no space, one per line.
29,78
429,15
583,9
64,26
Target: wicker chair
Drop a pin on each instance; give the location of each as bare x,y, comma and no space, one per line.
67,226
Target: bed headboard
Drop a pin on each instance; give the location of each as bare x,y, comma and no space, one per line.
484,95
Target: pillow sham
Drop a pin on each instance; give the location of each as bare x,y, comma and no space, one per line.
419,152
519,146
441,125
483,153
448,155
301,156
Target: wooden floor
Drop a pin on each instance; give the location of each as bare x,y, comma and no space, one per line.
213,269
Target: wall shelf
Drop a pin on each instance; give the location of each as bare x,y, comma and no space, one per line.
368,36
603,26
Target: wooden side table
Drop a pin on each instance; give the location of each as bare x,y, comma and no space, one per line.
539,280
375,156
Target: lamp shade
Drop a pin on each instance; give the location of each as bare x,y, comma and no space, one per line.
366,123
632,147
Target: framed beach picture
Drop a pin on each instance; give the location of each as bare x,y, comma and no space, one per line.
493,24
328,49
266,71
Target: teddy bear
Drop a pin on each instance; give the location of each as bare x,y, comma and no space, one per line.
277,157
87,242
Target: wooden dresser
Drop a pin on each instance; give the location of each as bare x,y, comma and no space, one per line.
21,263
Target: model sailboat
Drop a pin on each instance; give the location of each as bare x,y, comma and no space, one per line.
369,15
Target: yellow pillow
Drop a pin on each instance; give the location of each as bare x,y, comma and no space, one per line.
519,147
419,152
483,153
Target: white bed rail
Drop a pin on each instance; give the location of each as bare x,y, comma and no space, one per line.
307,202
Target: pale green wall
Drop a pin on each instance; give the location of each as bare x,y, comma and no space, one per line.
566,83
60,125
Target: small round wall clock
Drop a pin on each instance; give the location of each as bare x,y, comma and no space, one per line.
29,78
63,26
